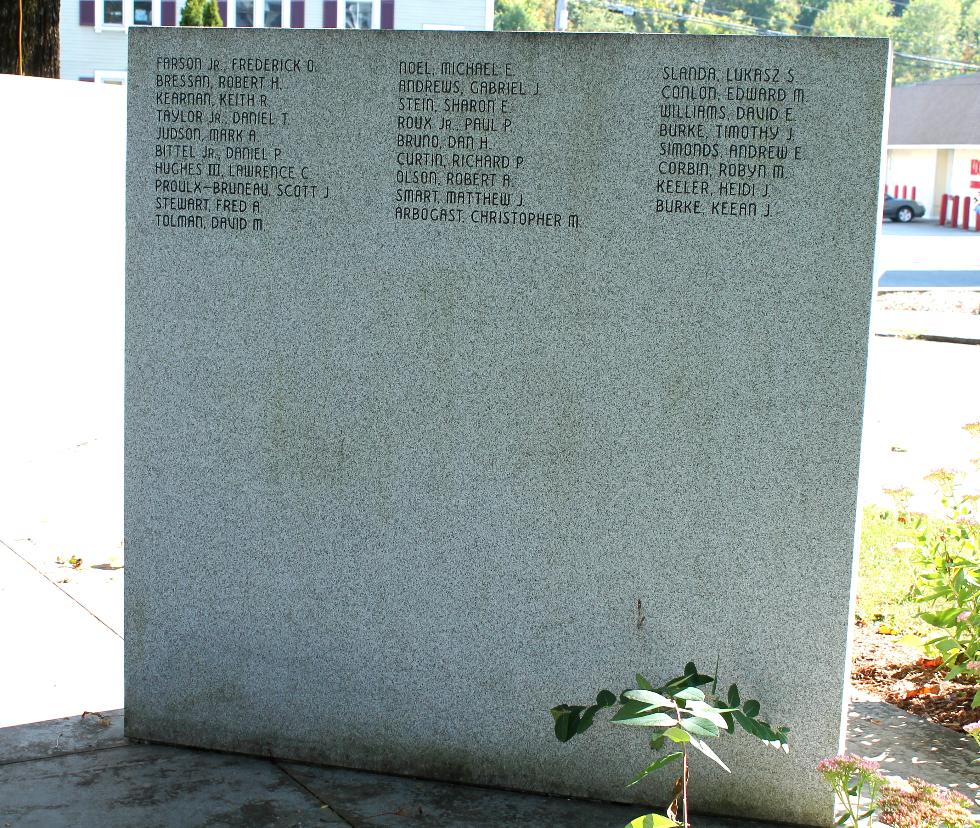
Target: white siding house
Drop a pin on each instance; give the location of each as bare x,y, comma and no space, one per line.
93,32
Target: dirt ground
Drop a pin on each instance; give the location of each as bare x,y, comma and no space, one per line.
944,301
888,670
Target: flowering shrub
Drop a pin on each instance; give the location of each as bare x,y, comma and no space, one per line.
945,480
852,778
973,729
918,804
949,576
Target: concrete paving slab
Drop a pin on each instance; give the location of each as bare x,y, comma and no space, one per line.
110,783
76,772
154,786
379,800
908,746
60,737
57,658
64,502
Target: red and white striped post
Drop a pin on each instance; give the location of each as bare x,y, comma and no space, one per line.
905,191
966,212
913,192
956,212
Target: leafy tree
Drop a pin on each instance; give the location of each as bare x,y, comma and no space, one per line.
970,33
783,15
192,13
855,18
511,17
929,28
585,16
523,15
710,23
661,15
211,15
39,44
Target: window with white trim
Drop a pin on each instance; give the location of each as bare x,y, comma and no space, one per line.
142,12
244,13
357,15
273,14
360,14
112,12
121,14
258,14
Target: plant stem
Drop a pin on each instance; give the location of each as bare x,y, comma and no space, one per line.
684,788
677,713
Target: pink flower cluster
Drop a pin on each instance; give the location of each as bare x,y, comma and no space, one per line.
846,766
921,805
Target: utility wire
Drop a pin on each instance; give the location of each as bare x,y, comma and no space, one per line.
744,28
942,61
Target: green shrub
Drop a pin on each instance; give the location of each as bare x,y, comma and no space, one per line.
682,716
948,584
192,13
211,16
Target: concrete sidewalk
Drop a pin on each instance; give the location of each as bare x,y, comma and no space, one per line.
80,771
936,326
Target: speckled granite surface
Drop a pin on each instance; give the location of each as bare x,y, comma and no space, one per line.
469,373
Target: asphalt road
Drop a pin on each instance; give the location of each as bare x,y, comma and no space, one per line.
908,279
922,255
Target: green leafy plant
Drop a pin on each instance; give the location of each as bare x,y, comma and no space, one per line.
191,14
201,13
684,717
210,14
852,779
948,584
918,804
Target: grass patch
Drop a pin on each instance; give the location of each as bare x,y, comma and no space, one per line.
886,574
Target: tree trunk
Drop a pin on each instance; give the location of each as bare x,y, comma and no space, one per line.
40,41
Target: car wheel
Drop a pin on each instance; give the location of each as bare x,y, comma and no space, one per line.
904,214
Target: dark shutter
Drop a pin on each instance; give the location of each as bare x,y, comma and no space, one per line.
223,11
329,14
387,14
86,12
297,14
92,79
168,13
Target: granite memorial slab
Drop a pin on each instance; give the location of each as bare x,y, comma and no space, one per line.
467,374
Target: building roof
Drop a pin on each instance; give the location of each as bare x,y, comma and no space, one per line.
939,113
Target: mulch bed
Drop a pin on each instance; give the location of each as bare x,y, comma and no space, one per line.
948,301
883,668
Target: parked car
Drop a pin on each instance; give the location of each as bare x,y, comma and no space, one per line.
902,209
